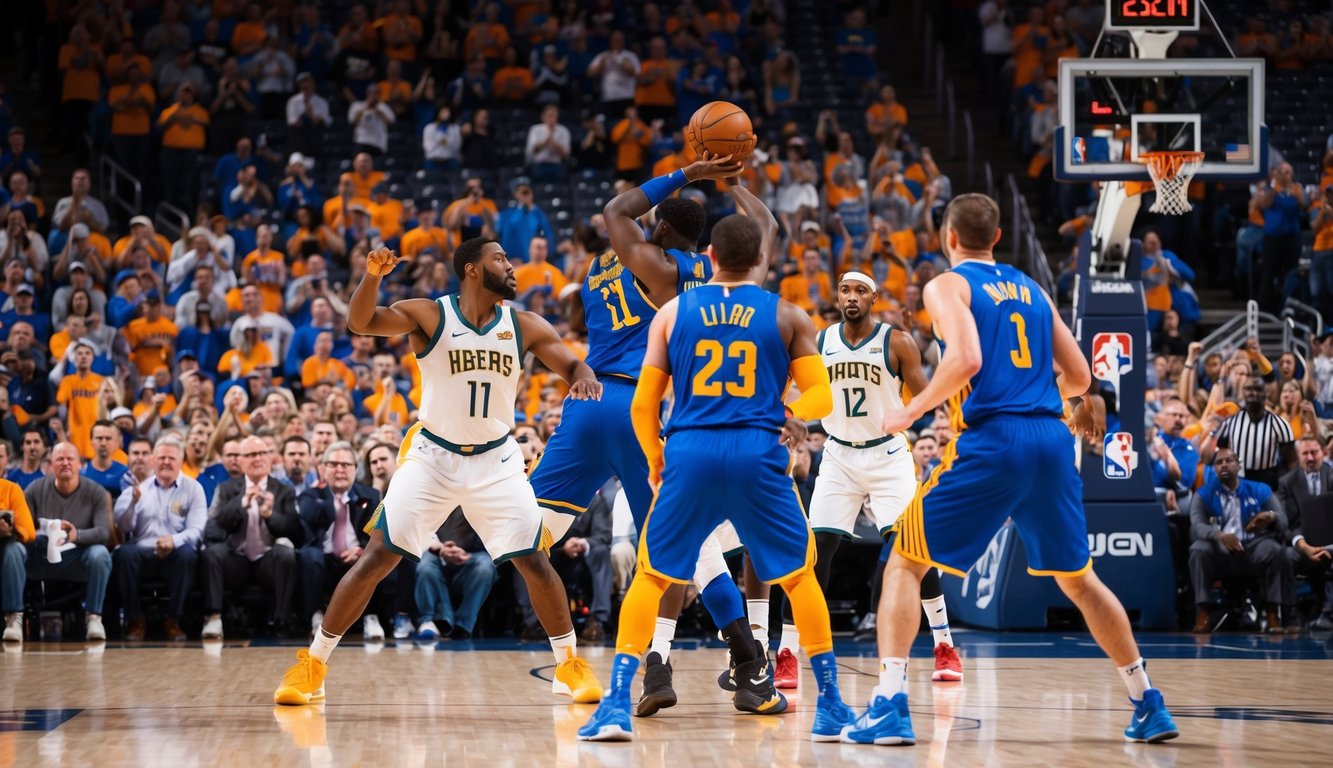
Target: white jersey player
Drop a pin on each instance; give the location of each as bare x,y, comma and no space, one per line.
470,349
869,363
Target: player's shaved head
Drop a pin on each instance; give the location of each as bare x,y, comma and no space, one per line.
686,217
975,220
736,243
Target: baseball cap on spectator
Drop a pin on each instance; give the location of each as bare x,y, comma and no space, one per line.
73,265
78,231
246,323
153,297
25,288
358,208
816,428
121,413
520,182
811,226
200,232
304,76
186,354
299,159
144,220
91,347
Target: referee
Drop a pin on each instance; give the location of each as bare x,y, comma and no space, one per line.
1262,440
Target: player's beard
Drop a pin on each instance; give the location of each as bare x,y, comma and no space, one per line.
498,284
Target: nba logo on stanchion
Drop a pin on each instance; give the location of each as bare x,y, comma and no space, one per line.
1119,459
1112,357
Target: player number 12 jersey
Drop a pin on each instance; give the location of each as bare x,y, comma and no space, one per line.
865,386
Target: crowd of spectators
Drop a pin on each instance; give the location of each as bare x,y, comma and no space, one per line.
224,427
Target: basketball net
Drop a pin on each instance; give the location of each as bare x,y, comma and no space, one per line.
1171,173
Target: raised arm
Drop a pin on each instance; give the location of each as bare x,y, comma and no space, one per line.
750,205
418,317
645,259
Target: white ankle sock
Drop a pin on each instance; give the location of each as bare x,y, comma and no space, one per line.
564,647
1136,679
938,618
758,613
323,644
791,639
662,637
892,677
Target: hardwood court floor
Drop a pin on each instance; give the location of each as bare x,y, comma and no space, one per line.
1238,701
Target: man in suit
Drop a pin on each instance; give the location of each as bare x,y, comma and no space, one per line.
1307,493
1236,526
255,528
335,515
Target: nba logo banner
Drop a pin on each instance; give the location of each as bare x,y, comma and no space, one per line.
1112,357
1119,459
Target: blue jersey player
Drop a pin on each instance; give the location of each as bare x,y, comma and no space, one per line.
728,348
595,440
1011,458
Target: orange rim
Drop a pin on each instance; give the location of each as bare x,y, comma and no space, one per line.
1166,165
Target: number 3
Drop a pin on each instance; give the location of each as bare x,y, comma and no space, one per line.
1021,357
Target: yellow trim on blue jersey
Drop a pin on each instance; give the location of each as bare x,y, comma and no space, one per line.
1079,572
810,554
911,542
644,562
644,293
551,502
956,421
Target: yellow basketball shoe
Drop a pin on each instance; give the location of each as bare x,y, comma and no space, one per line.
575,678
303,683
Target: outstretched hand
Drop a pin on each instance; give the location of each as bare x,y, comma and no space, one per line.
586,389
712,167
381,261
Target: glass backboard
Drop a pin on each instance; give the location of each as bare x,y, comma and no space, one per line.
1111,110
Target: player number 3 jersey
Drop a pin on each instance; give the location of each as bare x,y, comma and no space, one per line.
469,376
865,386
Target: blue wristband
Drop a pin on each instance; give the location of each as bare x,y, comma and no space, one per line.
662,187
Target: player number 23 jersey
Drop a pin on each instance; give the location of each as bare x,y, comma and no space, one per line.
469,376
865,386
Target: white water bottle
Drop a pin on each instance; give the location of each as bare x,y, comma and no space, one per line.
54,534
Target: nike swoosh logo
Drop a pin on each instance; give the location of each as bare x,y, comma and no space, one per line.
460,333
773,702
759,681
1143,719
510,456
833,352
895,450
871,722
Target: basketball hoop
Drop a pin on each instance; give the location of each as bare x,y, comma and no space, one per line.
1171,173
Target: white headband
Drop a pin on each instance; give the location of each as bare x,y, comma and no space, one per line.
860,277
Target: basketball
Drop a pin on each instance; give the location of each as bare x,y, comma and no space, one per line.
721,128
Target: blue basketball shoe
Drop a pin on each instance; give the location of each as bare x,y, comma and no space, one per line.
611,721
831,716
886,722
1151,722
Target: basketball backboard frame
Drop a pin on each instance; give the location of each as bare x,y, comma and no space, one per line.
1066,168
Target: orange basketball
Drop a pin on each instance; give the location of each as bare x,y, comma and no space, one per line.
721,128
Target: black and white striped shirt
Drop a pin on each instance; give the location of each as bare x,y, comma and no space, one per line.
1257,443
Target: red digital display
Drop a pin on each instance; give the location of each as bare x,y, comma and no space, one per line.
1153,14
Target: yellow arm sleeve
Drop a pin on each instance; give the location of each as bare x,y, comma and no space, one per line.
811,377
646,412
